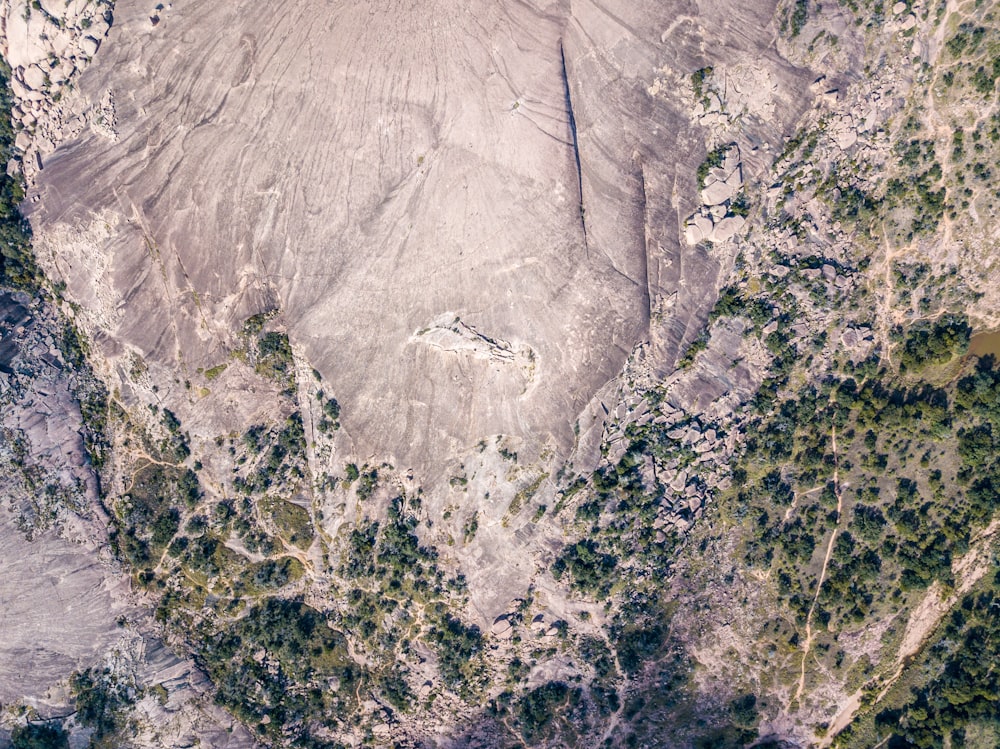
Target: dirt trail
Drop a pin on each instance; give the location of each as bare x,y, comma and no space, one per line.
822,575
923,621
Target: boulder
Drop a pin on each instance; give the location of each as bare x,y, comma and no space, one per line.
502,627
718,192
35,78
699,227
89,46
846,137
727,228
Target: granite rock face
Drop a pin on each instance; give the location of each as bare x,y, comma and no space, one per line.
57,611
468,219
63,599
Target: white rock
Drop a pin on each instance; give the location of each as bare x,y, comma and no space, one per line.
34,78
99,28
735,179
692,234
898,8
699,227
727,228
75,7
22,141
65,70
502,627
23,38
718,192
55,8
909,22
61,42
731,160
89,46
846,138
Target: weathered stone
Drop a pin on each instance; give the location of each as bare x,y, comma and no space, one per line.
502,627
727,228
717,193
35,78
89,46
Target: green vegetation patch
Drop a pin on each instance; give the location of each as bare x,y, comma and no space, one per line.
149,515
102,704
292,521
715,158
272,574
283,671
935,342
275,457
40,736
17,263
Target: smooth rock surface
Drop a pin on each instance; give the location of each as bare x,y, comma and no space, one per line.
373,170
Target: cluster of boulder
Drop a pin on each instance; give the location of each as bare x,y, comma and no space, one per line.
715,220
46,43
541,625
689,484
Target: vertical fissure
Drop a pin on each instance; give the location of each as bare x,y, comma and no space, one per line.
572,129
645,245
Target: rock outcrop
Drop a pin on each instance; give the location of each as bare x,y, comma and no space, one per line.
373,171
47,44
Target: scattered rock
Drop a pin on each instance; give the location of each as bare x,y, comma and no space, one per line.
35,78
89,46
502,627
727,228
718,192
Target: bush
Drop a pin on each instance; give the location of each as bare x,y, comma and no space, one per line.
457,645
100,703
40,736
590,570
17,264
537,709
937,342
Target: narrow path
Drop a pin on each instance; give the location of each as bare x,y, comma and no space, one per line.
795,501
616,716
925,617
822,575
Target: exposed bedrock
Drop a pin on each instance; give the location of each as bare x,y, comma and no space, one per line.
392,176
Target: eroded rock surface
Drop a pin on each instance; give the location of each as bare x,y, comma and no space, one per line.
372,171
